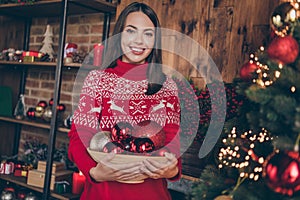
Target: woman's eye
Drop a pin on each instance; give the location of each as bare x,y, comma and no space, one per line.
130,31
149,34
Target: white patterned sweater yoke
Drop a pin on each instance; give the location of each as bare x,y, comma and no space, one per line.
108,98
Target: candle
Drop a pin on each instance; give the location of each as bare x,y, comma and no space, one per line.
98,51
78,182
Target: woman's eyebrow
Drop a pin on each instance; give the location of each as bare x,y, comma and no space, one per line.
134,27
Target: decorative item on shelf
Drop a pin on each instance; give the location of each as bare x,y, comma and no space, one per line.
31,196
61,187
7,167
40,109
30,113
78,182
32,56
47,114
36,178
21,168
79,57
21,194
47,42
70,50
19,112
8,194
98,52
68,121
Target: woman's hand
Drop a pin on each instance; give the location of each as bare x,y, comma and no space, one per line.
107,171
156,170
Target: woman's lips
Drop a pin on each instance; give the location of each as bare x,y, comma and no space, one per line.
137,51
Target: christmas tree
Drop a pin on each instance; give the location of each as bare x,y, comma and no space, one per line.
47,42
257,156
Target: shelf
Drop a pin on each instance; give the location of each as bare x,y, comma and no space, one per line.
32,123
46,64
52,8
19,180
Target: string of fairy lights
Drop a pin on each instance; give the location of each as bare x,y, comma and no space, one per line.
240,152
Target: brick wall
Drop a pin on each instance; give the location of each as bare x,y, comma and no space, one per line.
85,31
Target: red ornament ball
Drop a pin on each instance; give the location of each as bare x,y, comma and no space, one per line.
247,70
284,49
152,130
282,172
30,113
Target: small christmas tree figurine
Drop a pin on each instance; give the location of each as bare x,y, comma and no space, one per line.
47,42
19,112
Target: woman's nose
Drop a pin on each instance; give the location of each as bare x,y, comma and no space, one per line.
139,38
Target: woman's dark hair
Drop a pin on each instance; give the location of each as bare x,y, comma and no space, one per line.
155,75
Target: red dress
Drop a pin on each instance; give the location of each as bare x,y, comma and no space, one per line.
115,95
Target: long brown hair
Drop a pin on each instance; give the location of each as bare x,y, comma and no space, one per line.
155,75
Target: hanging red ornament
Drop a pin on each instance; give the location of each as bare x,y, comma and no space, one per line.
247,70
152,130
282,172
284,49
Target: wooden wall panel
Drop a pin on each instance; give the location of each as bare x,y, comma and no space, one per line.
229,30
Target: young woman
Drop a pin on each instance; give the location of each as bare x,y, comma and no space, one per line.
131,87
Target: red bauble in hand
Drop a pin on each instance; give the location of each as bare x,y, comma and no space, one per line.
282,172
247,70
143,145
152,130
121,131
284,49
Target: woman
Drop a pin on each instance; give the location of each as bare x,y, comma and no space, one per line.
132,88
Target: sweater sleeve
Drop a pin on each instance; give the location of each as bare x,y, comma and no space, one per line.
85,124
172,127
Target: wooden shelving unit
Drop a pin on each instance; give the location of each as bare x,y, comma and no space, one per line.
25,12
21,181
32,123
51,8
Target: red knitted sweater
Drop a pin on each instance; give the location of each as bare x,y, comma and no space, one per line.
115,95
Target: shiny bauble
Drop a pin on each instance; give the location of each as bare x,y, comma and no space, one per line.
8,195
247,70
30,113
282,18
152,130
47,114
99,140
143,145
281,171
120,131
283,49
127,143
51,102
68,121
39,111
31,196
61,107
115,147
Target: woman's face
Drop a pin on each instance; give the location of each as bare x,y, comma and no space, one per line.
138,38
